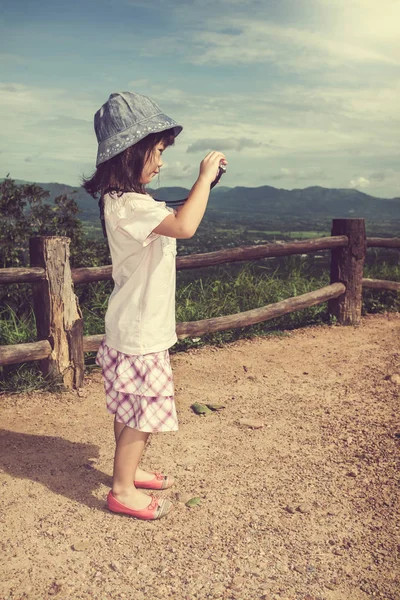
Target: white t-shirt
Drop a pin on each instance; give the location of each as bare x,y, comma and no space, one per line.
140,316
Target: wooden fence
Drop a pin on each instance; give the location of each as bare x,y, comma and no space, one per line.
61,345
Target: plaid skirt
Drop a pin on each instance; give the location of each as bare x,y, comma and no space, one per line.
139,389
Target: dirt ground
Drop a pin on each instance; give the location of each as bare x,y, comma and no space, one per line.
303,508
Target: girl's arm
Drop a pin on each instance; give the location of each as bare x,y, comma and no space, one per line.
188,217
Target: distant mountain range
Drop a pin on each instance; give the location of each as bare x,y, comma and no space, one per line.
312,202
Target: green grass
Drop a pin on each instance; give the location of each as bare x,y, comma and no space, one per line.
252,287
26,378
377,301
299,235
16,329
226,230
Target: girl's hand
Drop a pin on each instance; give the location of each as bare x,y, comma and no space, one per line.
210,164
185,222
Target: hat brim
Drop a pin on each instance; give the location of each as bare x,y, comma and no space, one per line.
119,142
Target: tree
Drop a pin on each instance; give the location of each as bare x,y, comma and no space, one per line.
26,211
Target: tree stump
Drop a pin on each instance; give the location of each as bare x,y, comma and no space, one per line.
347,267
58,316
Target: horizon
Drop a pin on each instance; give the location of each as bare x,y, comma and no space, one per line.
297,93
216,189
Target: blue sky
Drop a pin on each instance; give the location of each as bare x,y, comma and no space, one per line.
295,92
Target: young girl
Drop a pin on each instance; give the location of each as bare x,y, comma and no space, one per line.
132,134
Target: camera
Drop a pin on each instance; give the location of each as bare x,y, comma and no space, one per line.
173,203
221,171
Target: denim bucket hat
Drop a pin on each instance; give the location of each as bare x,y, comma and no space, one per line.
125,119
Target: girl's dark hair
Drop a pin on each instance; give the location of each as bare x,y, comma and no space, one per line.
122,173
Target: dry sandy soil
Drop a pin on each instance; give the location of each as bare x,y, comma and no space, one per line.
304,508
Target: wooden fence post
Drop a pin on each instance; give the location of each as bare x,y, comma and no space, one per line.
347,267
58,316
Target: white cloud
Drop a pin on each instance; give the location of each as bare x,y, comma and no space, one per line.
265,42
296,175
223,144
177,171
292,90
43,131
290,134
301,36
360,183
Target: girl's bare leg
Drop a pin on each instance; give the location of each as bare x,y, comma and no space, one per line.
130,446
118,427
139,475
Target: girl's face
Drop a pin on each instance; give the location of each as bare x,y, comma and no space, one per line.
153,164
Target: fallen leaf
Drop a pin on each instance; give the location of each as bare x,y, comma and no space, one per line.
215,406
193,502
200,409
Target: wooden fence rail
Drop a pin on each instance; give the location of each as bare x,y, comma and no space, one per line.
92,274
61,344
381,284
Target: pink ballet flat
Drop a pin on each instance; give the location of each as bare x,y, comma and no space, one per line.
158,508
159,482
